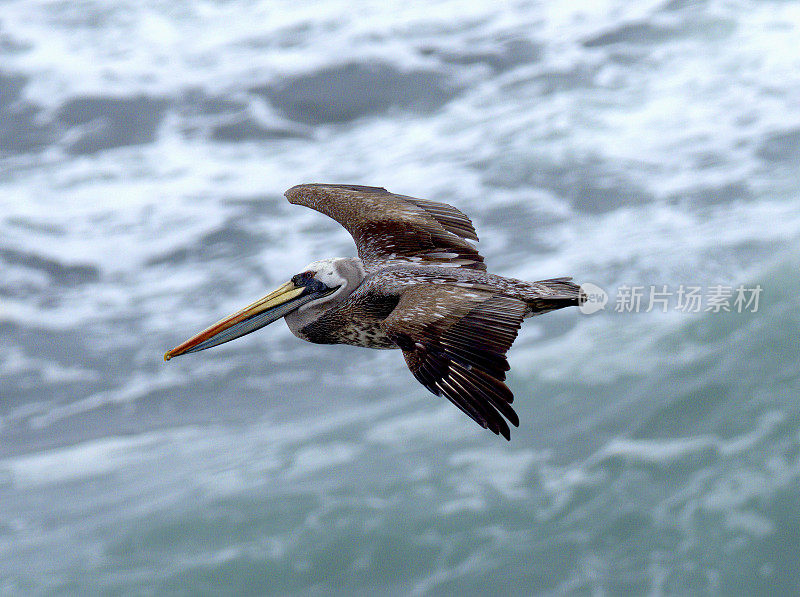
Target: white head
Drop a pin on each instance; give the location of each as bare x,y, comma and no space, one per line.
343,274
340,274
320,286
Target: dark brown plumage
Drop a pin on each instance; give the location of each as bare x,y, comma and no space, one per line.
389,228
453,321
418,285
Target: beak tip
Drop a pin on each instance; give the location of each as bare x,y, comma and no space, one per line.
167,355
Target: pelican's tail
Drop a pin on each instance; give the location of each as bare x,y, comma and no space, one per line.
556,294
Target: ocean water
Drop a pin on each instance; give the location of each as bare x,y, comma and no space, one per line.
144,150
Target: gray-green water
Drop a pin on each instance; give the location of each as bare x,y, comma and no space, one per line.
144,149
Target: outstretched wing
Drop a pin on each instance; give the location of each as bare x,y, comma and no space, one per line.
389,228
454,341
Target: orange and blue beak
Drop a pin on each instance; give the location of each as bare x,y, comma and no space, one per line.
264,311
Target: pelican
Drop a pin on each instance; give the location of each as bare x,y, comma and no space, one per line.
419,285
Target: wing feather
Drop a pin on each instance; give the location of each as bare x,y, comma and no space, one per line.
389,228
455,342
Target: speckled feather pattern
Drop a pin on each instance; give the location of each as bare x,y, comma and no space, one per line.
389,228
424,289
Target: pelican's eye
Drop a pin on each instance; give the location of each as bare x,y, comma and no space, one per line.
303,279
313,286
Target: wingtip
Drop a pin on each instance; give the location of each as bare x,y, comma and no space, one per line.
293,193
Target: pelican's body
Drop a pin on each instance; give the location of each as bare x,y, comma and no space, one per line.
357,316
418,285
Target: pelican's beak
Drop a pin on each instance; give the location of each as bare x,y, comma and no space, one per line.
264,311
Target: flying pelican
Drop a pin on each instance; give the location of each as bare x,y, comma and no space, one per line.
417,285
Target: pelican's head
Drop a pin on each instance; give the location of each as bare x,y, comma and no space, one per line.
321,285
